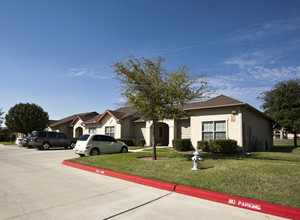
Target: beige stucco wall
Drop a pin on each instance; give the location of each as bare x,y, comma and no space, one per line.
108,120
183,129
138,130
258,131
233,123
78,124
126,130
64,128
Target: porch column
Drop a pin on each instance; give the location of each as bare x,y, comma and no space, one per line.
171,125
148,133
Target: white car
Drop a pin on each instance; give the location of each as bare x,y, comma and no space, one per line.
19,141
95,144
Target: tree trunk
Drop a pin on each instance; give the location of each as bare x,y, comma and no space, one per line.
295,139
153,140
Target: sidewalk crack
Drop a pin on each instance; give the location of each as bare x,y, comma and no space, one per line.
139,206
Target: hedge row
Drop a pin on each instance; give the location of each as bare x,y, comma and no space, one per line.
182,144
133,142
218,146
227,146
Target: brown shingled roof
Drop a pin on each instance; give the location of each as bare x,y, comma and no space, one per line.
119,114
93,119
219,101
85,117
128,111
71,118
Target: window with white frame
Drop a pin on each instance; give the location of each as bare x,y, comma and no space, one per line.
110,131
213,130
92,130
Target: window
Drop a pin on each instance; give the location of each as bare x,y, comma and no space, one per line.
97,138
213,130
92,130
108,139
42,134
110,131
84,137
103,138
160,132
52,135
61,135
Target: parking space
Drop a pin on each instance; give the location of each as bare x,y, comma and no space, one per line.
35,185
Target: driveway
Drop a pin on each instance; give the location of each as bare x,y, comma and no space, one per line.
35,185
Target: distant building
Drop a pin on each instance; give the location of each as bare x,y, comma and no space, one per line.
4,134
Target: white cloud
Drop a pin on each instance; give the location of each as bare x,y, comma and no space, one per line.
262,30
84,72
250,74
262,67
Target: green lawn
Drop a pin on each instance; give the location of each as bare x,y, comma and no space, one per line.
270,176
285,145
135,147
7,143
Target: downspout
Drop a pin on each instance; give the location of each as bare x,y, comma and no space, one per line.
241,133
227,129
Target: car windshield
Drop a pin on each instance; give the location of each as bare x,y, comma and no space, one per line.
84,137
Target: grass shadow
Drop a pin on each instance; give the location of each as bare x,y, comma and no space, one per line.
282,149
206,168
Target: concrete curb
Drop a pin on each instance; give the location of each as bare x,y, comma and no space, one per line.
250,204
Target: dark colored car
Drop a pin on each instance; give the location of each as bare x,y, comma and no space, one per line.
47,139
25,141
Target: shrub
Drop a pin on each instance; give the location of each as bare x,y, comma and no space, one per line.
139,142
182,144
133,142
223,146
203,145
127,141
162,144
296,151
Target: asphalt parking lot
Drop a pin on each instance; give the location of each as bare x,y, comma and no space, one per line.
35,185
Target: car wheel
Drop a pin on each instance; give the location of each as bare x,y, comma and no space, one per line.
124,150
46,146
94,152
72,145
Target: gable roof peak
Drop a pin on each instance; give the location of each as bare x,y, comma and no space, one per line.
218,101
225,98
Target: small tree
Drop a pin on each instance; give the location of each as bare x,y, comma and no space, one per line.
1,118
25,118
282,103
157,92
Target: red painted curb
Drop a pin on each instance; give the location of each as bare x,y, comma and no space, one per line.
136,179
250,204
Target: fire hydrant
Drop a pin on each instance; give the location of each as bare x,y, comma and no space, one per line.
196,160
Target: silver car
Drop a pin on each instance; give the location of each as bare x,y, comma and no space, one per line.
95,144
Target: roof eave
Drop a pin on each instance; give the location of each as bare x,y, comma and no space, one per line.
215,106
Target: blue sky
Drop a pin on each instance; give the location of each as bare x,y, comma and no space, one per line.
58,53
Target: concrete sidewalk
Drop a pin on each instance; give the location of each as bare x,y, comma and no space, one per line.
35,185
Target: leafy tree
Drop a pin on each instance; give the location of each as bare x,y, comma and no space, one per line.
25,118
157,92
1,118
282,103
